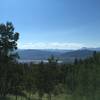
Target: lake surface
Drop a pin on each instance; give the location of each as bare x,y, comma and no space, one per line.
35,61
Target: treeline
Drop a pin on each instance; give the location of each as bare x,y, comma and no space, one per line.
22,79
83,79
80,80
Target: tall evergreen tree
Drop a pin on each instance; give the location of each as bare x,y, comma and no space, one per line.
8,45
8,42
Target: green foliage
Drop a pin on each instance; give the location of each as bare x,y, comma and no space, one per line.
8,42
79,80
84,78
8,45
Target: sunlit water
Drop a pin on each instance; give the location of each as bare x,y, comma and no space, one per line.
34,61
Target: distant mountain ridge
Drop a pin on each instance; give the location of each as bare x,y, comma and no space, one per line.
79,54
66,55
92,49
37,54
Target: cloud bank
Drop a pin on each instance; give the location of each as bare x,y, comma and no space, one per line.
52,45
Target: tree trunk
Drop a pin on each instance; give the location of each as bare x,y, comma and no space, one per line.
21,97
40,97
29,96
49,96
16,97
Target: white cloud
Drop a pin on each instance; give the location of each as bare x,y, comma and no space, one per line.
52,45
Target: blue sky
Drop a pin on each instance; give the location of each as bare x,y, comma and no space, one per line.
57,24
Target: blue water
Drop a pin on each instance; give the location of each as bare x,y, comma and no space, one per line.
34,61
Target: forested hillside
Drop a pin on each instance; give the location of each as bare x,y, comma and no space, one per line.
80,80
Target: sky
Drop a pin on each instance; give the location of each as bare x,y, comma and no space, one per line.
53,24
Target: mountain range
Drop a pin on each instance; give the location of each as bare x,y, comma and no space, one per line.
63,55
